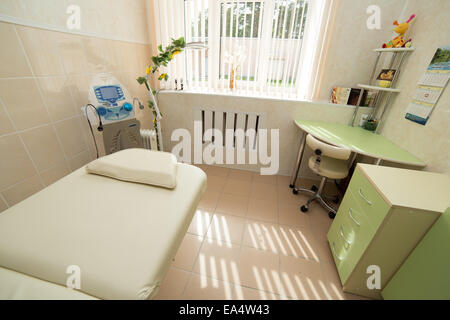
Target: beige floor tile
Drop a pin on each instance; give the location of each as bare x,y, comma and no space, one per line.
264,191
286,196
299,242
325,254
306,183
209,200
266,179
205,288
284,252
333,287
302,279
215,170
173,285
232,204
243,293
320,223
188,252
200,223
226,228
263,236
318,214
291,215
204,167
216,183
283,181
237,187
242,175
259,270
320,231
282,240
263,210
218,260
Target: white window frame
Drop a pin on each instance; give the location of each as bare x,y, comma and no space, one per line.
262,68
172,21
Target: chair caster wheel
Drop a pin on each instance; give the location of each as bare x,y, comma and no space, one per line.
294,191
336,200
332,215
291,186
314,188
304,208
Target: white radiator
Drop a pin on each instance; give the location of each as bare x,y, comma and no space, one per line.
149,139
233,120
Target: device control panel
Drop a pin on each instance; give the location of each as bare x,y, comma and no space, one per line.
109,94
112,104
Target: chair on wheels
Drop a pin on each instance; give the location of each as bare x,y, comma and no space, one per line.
328,161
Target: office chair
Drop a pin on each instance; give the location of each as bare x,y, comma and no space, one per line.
328,161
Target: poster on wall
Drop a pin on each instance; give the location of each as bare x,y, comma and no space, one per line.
430,87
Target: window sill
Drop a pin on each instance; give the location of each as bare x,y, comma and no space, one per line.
254,96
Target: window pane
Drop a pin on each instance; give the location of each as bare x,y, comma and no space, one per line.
287,35
196,30
239,38
253,55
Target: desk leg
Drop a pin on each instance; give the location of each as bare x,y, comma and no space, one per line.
301,149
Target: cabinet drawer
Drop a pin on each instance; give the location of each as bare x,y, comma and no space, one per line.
349,235
368,199
360,230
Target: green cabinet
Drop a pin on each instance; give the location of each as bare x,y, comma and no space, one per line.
426,273
378,224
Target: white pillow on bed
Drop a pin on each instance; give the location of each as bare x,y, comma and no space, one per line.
138,165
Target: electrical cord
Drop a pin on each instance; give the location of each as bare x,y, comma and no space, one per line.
100,127
141,106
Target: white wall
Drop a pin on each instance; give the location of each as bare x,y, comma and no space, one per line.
124,20
431,142
45,73
350,58
177,109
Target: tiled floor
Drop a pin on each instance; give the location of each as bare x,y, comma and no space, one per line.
249,240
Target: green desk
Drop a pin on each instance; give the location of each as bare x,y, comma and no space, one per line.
357,139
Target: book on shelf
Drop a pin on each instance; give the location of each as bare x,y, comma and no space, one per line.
350,96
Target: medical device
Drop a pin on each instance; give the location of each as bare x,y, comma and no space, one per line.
111,111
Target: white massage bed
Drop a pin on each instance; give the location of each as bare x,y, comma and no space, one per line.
122,235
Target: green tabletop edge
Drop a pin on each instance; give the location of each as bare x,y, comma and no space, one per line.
359,140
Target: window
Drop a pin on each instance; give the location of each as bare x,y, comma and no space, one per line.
253,46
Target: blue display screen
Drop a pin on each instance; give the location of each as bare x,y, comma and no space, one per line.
109,93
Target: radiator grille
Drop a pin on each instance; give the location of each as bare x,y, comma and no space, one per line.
149,139
232,120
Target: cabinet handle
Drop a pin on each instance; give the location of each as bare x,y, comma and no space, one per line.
351,217
365,199
334,252
341,232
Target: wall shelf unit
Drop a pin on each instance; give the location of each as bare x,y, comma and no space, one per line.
377,88
384,95
394,49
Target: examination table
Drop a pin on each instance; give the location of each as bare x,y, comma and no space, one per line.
121,235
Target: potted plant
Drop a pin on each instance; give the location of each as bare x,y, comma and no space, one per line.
163,58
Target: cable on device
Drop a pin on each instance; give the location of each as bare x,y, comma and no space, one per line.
100,126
